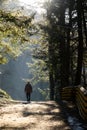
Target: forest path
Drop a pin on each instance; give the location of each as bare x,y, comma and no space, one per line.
32,116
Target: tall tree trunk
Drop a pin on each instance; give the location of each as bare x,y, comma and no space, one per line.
62,47
80,45
84,24
51,74
68,46
51,79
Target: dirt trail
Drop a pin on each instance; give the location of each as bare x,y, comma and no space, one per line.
32,116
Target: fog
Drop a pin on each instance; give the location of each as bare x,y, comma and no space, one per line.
13,73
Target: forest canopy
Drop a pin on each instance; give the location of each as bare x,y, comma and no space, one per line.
61,56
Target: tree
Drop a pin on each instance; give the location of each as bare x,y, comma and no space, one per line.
14,32
64,20
64,39
80,41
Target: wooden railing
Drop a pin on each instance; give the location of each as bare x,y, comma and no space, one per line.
81,101
67,93
79,94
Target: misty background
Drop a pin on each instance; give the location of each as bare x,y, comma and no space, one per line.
13,73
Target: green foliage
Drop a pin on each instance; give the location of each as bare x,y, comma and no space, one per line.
45,93
3,94
14,32
39,71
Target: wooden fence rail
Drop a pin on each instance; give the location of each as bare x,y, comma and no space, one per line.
79,94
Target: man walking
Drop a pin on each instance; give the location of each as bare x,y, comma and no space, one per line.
28,91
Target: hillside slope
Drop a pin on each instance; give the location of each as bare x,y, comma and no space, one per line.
4,98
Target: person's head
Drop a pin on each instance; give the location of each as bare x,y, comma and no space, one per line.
28,82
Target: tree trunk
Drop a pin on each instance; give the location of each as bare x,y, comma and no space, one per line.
51,79
80,45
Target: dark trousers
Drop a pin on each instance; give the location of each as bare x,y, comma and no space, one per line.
28,96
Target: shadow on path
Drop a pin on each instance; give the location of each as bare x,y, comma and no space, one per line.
34,116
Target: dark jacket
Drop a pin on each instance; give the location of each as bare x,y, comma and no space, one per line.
28,88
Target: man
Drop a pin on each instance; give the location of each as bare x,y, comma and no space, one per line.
28,91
